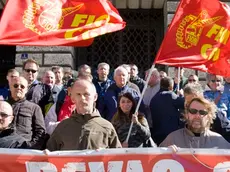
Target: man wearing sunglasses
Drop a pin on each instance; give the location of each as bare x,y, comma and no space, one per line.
199,115
30,72
8,136
214,91
28,119
193,78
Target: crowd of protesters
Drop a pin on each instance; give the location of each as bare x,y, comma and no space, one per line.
64,111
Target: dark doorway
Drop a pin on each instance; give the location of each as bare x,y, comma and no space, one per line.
7,61
137,43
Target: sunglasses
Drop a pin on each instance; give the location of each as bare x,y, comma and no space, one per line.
19,85
216,81
4,115
30,70
194,112
192,80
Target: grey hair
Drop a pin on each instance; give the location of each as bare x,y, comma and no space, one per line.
193,88
103,64
155,72
119,68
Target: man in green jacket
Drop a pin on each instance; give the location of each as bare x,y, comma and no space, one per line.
85,129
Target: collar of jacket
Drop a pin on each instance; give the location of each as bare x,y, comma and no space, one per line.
135,78
220,89
12,101
118,89
86,117
163,89
190,133
7,132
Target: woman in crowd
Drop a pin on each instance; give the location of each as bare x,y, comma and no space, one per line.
140,133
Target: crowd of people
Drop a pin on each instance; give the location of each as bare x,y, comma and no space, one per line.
63,111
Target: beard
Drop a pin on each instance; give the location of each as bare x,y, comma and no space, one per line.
197,125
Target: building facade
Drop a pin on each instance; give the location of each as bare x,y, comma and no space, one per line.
138,43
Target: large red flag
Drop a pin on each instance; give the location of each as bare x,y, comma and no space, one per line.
198,37
57,22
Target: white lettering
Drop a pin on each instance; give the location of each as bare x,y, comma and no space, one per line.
168,165
40,166
74,166
222,167
113,166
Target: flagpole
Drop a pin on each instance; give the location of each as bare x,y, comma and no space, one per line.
139,102
178,78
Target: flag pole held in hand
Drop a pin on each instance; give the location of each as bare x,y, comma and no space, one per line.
139,102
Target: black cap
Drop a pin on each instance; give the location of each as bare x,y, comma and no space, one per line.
70,82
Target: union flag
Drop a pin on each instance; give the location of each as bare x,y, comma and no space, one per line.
57,22
198,37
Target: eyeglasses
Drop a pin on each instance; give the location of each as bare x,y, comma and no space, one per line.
30,70
4,115
216,81
192,80
194,112
19,85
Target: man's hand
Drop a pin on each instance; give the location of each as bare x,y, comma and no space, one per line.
125,144
174,148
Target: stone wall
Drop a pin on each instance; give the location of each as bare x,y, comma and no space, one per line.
46,56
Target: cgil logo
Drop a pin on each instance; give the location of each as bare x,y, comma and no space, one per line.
191,29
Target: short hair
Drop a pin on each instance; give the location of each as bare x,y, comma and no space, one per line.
83,66
194,75
30,60
155,73
45,72
126,66
12,71
211,107
5,103
57,68
166,82
20,78
85,76
85,80
119,68
209,76
193,88
103,64
132,64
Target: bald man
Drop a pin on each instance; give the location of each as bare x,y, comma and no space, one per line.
8,136
28,120
85,129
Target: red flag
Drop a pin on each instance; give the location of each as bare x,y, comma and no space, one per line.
57,22
198,37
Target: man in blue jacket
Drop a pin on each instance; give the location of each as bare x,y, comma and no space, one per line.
108,106
165,110
102,82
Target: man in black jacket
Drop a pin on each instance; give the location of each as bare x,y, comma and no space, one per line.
165,109
8,136
28,119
